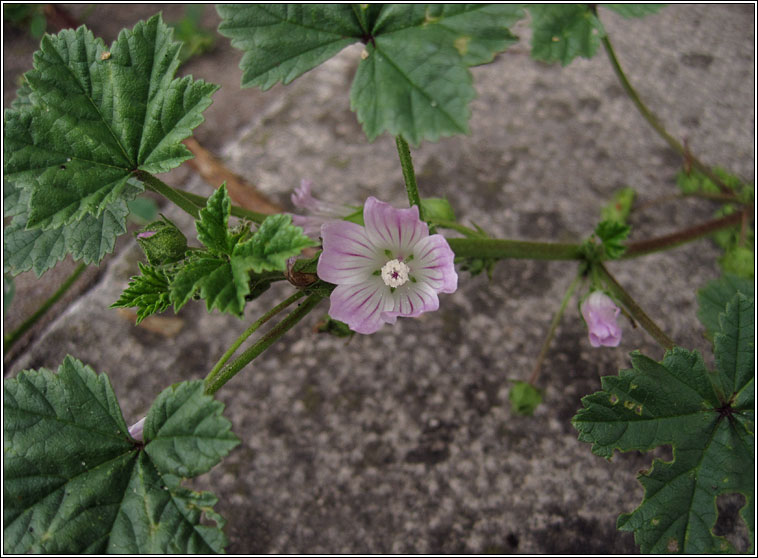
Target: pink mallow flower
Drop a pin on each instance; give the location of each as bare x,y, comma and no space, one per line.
600,313
391,267
319,211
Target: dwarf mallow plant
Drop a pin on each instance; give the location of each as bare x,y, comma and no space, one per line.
94,123
390,267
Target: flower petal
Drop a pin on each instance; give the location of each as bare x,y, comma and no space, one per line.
433,264
361,306
303,199
389,228
349,257
411,300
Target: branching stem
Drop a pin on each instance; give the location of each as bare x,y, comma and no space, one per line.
249,331
212,385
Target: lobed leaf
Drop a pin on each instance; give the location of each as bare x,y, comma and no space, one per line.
561,32
413,79
222,275
283,41
87,118
76,482
713,298
707,418
149,292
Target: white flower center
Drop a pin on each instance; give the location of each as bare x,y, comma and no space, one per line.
395,273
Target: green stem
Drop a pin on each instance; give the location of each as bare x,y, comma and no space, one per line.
229,371
643,247
14,335
634,309
654,122
551,331
189,202
500,248
249,331
409,175
176,196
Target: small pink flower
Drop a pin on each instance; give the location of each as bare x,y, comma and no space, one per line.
391,267
319,212
600,313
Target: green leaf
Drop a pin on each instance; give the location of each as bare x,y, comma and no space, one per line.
275,241
713,298
416,77
739,260
437,209
88,239
612,234
693,181
149,292
187,432
561,32
413,79
477,31
76,482
283,41
222,275
734,347
678,402
212,278
620,206
634,10
213,224
95,116
524,398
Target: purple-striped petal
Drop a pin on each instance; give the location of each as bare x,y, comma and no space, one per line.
433,264
411,300
396,230
361,305
303,199
349,256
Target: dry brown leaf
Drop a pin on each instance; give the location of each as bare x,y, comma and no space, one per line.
215,173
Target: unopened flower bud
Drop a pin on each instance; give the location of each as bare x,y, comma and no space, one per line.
600,313
162,242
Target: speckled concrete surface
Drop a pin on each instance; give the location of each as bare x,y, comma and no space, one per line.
404,441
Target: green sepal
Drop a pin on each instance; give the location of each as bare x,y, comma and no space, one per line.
162,242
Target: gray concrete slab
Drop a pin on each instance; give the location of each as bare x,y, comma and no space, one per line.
404,441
